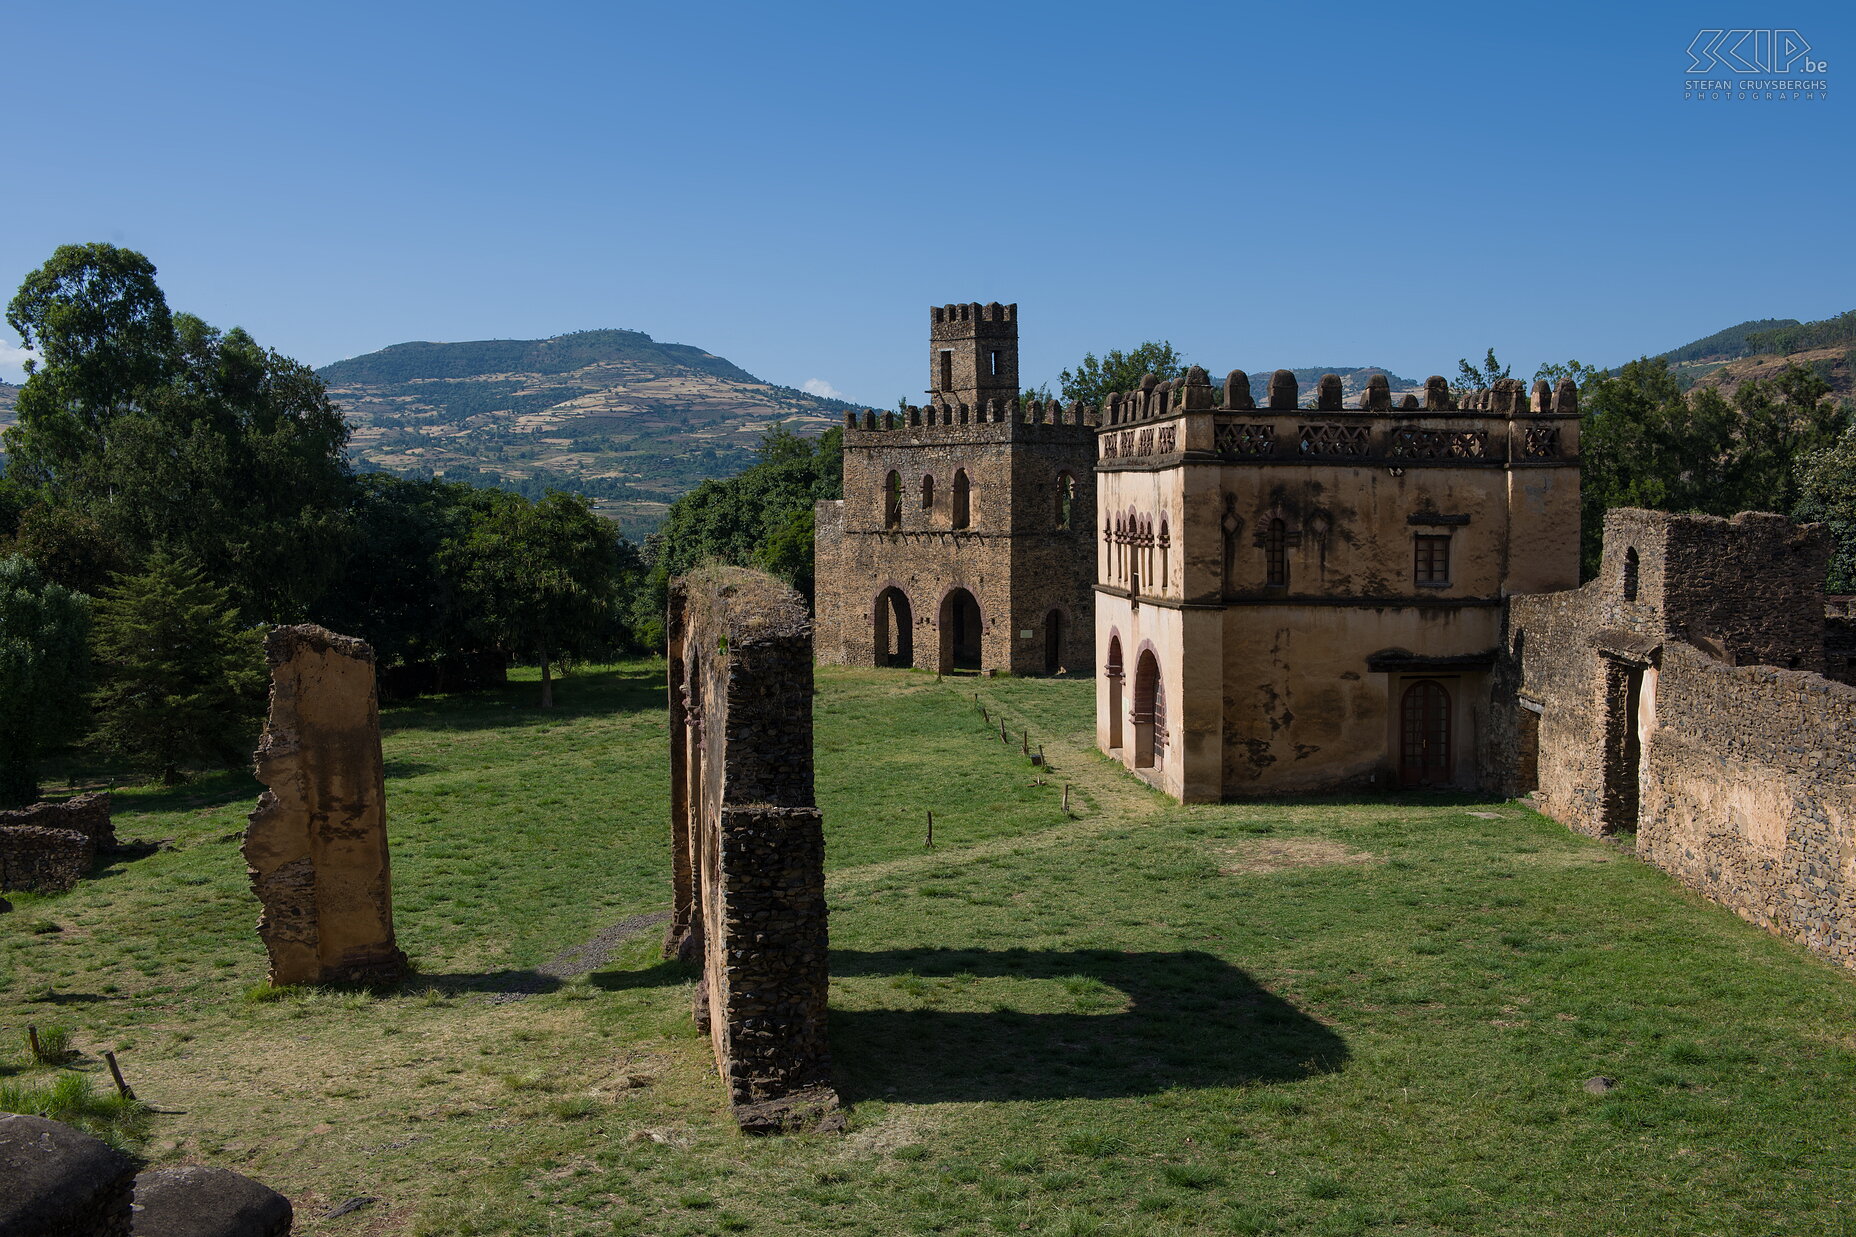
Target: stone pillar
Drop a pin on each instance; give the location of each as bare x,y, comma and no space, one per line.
748,845
317,845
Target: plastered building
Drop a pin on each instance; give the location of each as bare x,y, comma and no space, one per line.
1295,598
965,536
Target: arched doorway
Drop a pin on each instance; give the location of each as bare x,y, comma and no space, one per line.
960,631
895,629
1149,715
1112,672
1054,659
1424,735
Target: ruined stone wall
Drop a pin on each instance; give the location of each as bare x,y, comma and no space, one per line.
1749,794
1840,639
49,847
316,848
1738,779
748,841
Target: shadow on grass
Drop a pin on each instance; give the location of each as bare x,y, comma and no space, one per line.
493,983
588,693
1168,1020
664,974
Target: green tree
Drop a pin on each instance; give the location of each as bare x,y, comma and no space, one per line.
1473,378
145,429
542,580
44,673
181,678
1827,489
761,517
1784,420
1093,378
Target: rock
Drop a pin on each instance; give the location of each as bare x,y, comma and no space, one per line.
195,1201
55,1180
1600,1084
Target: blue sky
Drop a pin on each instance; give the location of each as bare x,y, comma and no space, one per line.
792,185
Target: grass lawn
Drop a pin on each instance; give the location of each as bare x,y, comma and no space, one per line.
1322,1017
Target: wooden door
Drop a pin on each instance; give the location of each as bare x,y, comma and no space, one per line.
1424,735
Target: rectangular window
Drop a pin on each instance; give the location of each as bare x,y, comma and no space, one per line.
992,361
1431,560
947,369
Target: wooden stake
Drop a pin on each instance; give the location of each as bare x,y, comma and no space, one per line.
1066,796
1024,744
32,1034
930,830
116,1073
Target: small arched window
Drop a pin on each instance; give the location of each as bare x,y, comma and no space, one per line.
1165,541
1276,554
963,498
892,499
1630,574
928,492
1066,500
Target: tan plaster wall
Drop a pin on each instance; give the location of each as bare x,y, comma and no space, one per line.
316,847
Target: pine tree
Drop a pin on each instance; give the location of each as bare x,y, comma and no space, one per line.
44,672
180,676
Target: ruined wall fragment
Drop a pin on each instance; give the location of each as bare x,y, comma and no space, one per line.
317,844
48,847
748,842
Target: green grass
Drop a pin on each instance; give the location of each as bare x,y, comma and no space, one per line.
1319,1017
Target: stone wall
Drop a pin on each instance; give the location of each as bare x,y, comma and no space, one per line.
317,845
1749,794
49,847
748,844
1663,701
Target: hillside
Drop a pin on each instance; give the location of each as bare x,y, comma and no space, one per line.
615,415
1762,348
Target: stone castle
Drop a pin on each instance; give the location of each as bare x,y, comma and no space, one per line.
1302,597
964,540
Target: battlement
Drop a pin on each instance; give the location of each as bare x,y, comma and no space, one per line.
1508,397
935,417
973,312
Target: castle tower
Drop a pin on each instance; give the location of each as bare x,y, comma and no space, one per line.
965,537
972,353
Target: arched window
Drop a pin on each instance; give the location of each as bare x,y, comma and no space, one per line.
1276,554
928,492
1165,541
892,499
1112,673
1149,713
963,498
1630,574
1066,500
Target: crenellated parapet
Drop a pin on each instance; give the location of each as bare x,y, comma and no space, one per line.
993,420
1164,422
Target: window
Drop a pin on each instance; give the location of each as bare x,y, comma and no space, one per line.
1276,554
1066,500
947,369
928,492
892,500
992,363
962,499
1165,541
1431,560
1630,574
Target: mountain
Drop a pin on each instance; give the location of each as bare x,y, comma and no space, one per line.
1353,380
1762,348
615,415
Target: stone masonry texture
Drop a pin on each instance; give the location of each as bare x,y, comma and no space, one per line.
1679,695
48,847
748,849
58,1182
972,511
317,844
